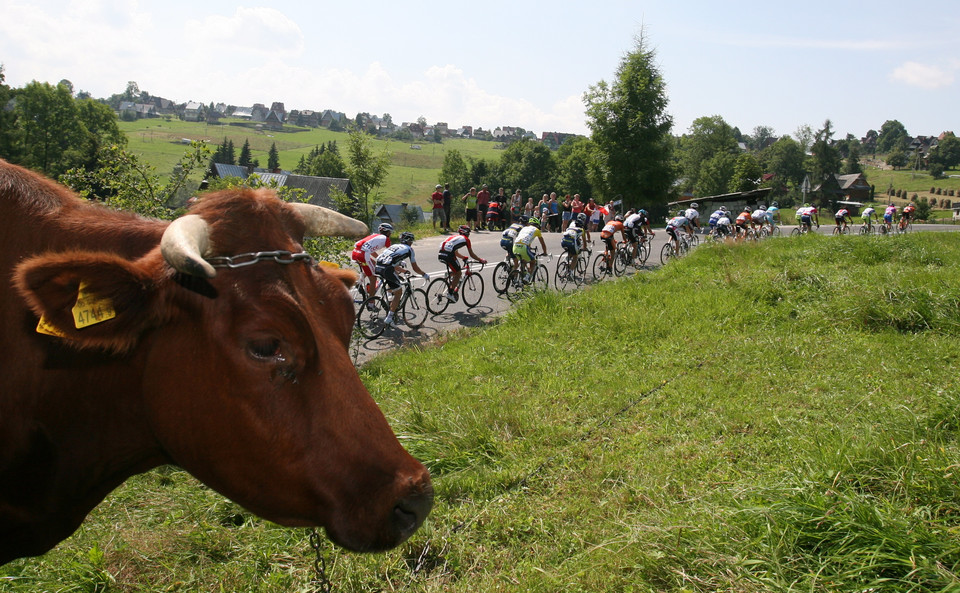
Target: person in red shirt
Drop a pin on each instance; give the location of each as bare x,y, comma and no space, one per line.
907,215
483,200
438,213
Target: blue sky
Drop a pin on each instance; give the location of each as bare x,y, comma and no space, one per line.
508,63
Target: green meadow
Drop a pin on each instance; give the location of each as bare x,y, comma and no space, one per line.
781,416
412,175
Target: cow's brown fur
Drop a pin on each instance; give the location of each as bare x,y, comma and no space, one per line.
243,379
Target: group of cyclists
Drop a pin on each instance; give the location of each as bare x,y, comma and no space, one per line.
376,256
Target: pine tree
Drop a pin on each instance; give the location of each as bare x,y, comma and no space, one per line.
245,156
273,158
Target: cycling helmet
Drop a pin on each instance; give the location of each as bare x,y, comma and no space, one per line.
764,208
775,205
524,219
746,208
694,206
406,238
464,230
618,218
534,221
642,212
385,228
581,219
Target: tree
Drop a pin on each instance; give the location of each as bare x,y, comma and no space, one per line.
527,165
630,129
826,157
708,137
9,133
366,170
574,163
804,136
52,135
455,172
246,158
784,160
760,136
891,133
852,164
716,174
947,153
746,174
273,157
897,158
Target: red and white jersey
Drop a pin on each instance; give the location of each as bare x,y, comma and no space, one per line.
451,244
374,242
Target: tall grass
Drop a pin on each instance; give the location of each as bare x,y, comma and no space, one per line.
773,417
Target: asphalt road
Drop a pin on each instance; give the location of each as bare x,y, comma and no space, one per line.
487,246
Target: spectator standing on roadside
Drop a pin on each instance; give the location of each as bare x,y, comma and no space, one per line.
505,212
593,213
436,198
566,214
470,201
528,207
516,205
447,199
483,200
554,212
576,207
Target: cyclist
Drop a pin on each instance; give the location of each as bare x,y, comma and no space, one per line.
634,225
888,215
758,217
841,217
389,263
365,253
723,225
521,245
493,213
714,217
448,255
509,236
743,219
867,217
573,240
907,215
773,215
678,222
808,214
693,215
607,236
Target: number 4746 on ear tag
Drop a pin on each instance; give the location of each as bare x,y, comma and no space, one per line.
91,309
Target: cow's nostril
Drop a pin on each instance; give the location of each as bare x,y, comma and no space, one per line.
411,511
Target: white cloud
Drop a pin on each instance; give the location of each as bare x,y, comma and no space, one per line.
257,30
924,76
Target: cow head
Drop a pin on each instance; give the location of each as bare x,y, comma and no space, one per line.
244,371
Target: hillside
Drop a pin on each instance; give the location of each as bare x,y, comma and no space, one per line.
413,172
774,417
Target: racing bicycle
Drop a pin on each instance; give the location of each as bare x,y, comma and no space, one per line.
470,289
412,309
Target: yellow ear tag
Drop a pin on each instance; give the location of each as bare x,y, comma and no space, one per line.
328,264
91,309
45,327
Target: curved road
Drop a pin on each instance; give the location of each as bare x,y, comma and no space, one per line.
487,246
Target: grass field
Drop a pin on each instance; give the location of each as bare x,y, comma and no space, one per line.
773,417
412,176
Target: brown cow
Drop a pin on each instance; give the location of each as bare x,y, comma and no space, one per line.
239,374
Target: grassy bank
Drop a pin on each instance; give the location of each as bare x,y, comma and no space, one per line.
772,417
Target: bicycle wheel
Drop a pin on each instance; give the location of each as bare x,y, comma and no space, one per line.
471,290
775,231
837,231
694,240
541,278
414,312
500,275
563,277
620,262
666,253
795,232
864,230
437,301
599,267
371,317
515,284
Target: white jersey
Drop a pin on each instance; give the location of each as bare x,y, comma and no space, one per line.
691,215
868,212
723,220
758,215
633,220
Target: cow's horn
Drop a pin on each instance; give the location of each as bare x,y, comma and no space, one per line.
323,222
184,243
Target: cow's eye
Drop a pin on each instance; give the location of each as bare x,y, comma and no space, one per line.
265,349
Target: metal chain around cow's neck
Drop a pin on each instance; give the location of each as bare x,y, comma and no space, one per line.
248,259
320,581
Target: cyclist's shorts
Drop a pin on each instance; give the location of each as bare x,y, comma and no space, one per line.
389,275
805,219
452,261
571,247
838,218
506,245
609,242
888,217
633,235
672,231
523,252
361,258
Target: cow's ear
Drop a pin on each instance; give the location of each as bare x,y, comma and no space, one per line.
92,299
348,277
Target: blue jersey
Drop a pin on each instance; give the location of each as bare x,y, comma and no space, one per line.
395,254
